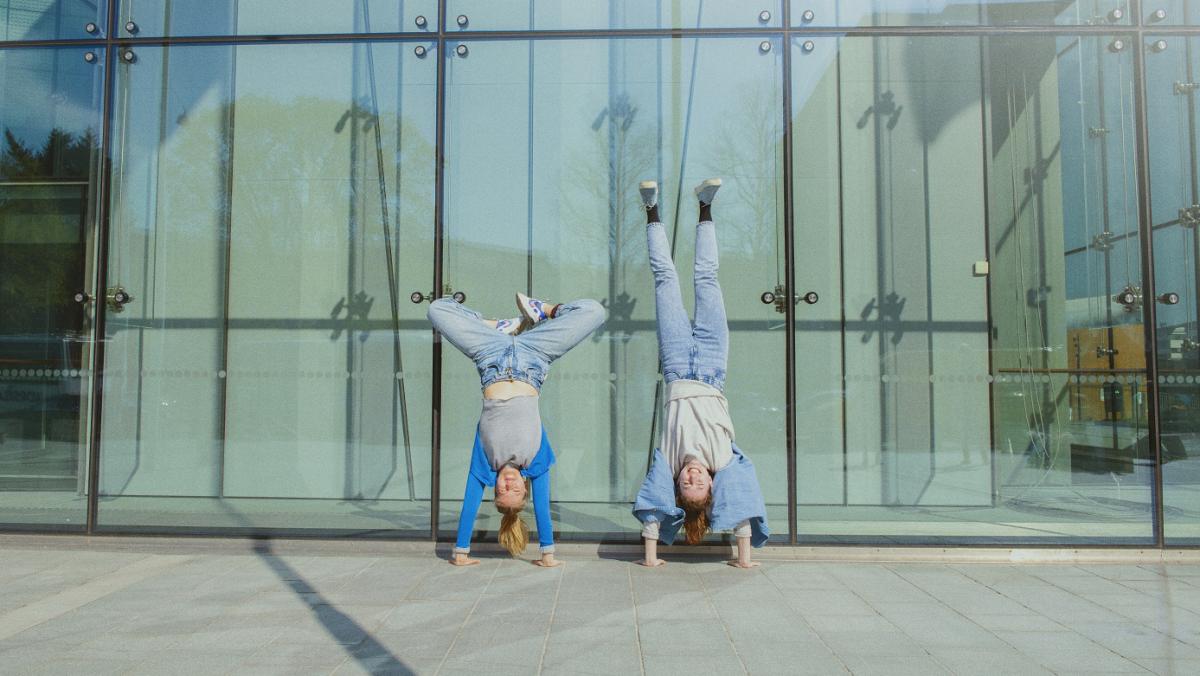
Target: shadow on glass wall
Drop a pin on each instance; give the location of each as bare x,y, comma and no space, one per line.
265,353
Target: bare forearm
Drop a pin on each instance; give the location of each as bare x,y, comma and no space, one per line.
743,554
651,560
743,551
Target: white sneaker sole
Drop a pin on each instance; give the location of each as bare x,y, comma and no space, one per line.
527,312
649,192
707,187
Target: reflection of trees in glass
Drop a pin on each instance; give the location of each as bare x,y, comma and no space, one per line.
295,192
748,147
41,232
62,155
619,152
282,153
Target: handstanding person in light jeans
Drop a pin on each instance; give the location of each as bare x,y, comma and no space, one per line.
511,450
699,479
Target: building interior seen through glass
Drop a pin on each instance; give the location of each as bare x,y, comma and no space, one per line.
959,267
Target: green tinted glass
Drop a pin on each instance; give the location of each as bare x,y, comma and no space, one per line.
547,142
271,207
971,371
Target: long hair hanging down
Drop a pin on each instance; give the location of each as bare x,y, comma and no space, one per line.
514,534
695,517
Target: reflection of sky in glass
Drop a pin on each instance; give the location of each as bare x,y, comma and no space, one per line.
48,19
47,88
1172,174
1097,175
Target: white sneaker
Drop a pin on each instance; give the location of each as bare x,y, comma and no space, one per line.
510,327
707,190
649,191
532,309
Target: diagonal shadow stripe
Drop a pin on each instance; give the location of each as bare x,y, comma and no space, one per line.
358,643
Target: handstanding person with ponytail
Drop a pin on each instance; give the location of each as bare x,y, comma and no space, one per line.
699,479
511,452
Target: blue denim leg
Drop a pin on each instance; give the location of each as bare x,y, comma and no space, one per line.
676,346
463,328
550,339
711,332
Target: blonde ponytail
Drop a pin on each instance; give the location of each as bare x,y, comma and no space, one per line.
514,534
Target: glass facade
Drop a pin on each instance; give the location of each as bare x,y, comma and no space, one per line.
958,242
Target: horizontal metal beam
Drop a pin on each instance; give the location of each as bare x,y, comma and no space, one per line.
618,33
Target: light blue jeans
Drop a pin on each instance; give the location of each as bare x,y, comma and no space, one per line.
689,350
525,357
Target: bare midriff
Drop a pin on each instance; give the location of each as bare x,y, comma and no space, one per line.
507,389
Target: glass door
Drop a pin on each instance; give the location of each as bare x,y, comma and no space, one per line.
49,157
546,142
272,207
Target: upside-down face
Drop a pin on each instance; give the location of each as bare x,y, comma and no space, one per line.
510,488
695,483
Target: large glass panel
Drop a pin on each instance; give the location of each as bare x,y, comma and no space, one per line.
546,144
515,15
973,370
1171,92
272,208
852,13
52,19
275,17
50,118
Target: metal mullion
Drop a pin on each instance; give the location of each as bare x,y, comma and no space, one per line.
812,31
100,277
89,42
223,391
807,31
984,138
285,38
789,283
438,232
1149,308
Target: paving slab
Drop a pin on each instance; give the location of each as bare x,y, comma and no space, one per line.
263,608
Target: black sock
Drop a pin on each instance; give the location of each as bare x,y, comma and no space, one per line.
652,214
705,212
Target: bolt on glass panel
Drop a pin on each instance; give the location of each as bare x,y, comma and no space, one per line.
1170,13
